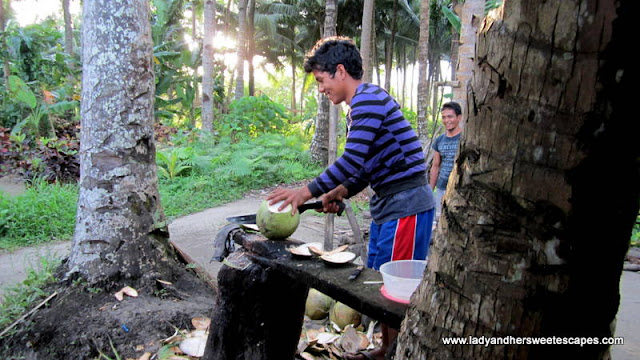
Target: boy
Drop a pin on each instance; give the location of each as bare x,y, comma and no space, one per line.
382,150
445,148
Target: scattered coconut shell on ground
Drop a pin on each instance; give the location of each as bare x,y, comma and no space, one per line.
194,346
127,290
201,323
317,305
342,315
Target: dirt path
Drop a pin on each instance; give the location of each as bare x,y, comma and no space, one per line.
12,185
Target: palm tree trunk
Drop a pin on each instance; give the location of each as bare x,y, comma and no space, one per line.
524,216
68,30
320,141
242,46
367,39
423,58
117,214
293,79
376,62
207,65
455,43
413,76
251,10
5,62
404,75
471,18
390,48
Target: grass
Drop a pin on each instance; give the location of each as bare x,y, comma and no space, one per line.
19,298
43,213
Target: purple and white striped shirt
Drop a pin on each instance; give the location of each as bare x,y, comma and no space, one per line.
382,149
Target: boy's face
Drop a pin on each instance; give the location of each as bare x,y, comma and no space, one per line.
331,86
450,119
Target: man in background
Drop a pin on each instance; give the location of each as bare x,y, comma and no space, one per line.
445,148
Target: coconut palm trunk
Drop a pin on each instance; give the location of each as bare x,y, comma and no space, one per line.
366,42
471,16
423,83
118,203
68,29
529,244
321,138
242,47
5,62
207,65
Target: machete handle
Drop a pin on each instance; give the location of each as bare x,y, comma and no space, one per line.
318,205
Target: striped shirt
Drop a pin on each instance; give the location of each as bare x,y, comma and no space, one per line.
382,149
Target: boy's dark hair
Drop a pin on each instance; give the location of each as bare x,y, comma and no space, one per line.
453,106
327,53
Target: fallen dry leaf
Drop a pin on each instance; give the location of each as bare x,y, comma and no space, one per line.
127,290
350,341
145,356
164,282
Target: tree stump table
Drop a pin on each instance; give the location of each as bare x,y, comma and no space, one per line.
262,287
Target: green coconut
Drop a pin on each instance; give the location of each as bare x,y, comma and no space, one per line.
317,305
275,224
342,315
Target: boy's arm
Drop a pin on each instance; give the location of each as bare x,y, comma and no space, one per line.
354,185
435,170
359,142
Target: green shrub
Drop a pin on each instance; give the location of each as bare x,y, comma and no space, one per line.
254,115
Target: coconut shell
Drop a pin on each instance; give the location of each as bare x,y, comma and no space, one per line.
317,305
342,315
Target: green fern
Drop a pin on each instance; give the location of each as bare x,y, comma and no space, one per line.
173,163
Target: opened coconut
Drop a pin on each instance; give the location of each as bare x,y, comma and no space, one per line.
317,305
342,315
274,224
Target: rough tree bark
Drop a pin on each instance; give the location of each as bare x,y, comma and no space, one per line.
423,83
472,13
118,203
531,244
207,65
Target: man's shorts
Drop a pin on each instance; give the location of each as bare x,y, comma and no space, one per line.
402,239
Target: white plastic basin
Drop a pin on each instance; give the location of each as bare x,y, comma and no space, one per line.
402,277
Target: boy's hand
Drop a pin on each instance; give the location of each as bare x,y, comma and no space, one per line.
336,194
295,197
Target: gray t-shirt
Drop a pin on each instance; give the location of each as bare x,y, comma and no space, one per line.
447,147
